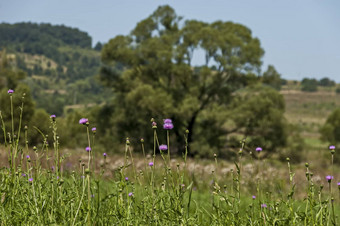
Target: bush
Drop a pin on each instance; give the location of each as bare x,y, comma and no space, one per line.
330,131
309,85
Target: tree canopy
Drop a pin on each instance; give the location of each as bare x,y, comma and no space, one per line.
154,74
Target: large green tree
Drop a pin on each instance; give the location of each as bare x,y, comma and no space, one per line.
153,72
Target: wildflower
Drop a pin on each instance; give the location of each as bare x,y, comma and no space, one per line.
10,91
23,174
88,149
163,147
154,125
339,184
329,178
168,124
82,176
83,121
126,178
130,194
104,155
167,120
258,149
31,179
254,197
263,205
332,147
150,163
27,156
94,129
52,117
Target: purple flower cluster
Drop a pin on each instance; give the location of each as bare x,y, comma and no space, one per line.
104,155
263,205
88,149
258,149
83,121
168,124
10,91
163,147
332,147
329,178
150,163
130,194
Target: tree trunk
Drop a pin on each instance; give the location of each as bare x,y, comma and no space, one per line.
191,125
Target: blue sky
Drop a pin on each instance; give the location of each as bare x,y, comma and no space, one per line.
300,37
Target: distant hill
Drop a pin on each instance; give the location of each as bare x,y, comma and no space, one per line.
59,61
41,38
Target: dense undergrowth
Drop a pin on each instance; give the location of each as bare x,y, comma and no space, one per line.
38,188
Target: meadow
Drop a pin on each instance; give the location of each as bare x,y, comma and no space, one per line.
47,185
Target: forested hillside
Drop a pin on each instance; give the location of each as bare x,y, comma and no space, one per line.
59,62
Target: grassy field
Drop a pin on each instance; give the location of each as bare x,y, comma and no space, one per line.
56,186
309,111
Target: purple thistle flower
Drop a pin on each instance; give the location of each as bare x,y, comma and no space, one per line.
338,184
167,121
126,178
168,126
88,149
329,178
163,147
332,147
10,91
254,197
130,194
23,174
104,155
150,163
31,179
263,205
258,149
94,129
154,124
27,156
83,121
52,116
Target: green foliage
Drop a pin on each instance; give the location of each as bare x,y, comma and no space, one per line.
337,90
151,74
309,85
326,82
330,131
58,72
259,116
39,122
20,96
272,78
295,145
8,76
41,38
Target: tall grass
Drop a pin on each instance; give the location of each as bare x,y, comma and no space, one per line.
36,188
